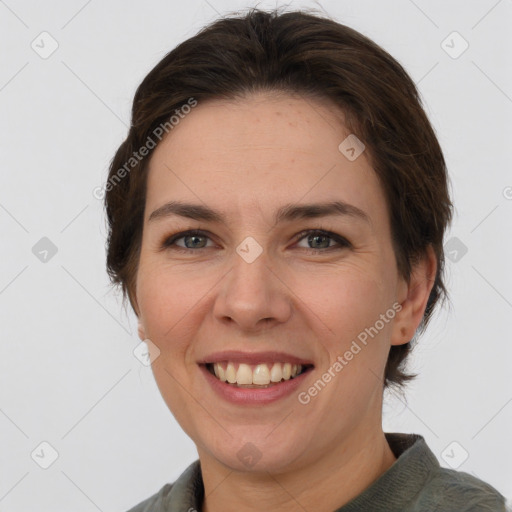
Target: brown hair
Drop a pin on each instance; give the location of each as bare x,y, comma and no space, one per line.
316,57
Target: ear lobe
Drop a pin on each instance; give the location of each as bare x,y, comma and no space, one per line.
413,298
141,331
133,302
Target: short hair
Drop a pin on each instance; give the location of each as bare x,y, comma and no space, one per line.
313,56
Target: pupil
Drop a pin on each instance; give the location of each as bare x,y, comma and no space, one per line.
193,237
316,237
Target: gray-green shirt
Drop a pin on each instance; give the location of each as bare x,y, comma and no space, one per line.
414,483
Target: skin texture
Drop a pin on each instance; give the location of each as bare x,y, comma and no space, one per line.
246,158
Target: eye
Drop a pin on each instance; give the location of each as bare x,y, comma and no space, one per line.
321,240
193,239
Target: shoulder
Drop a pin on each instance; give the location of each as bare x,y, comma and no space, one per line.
422,484
154,503
185,494
448,488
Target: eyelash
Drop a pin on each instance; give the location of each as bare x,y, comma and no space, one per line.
169,242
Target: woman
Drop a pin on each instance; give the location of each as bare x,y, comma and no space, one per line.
276,219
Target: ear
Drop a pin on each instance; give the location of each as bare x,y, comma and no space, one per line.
413,298
141,330
132,297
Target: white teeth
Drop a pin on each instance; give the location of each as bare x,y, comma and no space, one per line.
276,374
221,373
244,374
230,373
261,375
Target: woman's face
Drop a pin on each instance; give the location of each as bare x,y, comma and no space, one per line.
261,284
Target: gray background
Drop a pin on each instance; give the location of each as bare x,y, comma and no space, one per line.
68,375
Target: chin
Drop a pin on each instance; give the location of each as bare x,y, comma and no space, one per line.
260,452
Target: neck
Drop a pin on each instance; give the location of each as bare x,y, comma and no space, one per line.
323,485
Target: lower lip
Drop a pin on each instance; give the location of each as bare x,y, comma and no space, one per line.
252,396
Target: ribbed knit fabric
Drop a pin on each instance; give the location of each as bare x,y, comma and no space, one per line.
414,483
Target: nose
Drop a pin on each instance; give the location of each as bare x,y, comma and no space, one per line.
253,296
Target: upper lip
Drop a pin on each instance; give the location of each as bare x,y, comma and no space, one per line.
254,357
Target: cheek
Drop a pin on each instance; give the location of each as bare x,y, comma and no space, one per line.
352,307
346,300
170,299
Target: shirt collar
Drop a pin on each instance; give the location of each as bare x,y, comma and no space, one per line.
408,474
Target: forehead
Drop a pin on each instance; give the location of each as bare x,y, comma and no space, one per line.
264,149
262,121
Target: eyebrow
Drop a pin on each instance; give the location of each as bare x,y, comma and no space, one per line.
286,213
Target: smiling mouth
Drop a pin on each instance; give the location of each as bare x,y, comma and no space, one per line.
259,376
